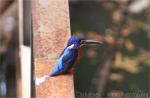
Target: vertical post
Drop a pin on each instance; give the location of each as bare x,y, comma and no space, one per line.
51,30
25,58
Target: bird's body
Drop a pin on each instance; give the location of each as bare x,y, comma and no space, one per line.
69,56
65,62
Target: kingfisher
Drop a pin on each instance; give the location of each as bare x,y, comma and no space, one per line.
69,55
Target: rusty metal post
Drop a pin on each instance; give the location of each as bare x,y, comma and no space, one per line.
51,30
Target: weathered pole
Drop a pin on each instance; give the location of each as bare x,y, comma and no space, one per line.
51,30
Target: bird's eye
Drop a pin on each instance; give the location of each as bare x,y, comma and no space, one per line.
81,41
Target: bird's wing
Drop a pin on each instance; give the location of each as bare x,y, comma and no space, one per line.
68,60
65,62
62,53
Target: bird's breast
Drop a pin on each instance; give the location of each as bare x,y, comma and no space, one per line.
79,51
79,55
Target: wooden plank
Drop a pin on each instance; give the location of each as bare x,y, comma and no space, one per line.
51,31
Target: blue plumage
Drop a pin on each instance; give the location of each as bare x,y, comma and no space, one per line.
65,62
67,58
75,40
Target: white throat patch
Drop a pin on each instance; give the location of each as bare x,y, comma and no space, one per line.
71,46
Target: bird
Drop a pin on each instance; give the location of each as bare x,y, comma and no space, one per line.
69,55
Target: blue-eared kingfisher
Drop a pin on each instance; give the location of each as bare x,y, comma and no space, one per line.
70,54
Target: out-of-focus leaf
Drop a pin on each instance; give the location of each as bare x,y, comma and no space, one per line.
129,45
109,39
144,57
127,64
130,65
117,16
116,77
118,59
126,31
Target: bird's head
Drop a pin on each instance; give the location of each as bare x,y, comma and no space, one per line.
77,41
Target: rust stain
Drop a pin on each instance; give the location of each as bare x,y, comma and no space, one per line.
51,31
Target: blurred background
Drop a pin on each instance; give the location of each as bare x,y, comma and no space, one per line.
120,67
15,47
117,69
8,47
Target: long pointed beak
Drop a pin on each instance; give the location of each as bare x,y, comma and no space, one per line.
87,42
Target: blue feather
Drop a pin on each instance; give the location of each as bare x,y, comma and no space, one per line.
68,56
65,61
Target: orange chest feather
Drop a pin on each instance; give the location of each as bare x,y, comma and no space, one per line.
79,55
